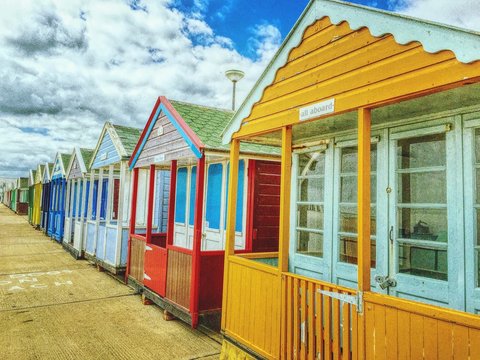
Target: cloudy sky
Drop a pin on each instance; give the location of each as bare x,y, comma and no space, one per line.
68,66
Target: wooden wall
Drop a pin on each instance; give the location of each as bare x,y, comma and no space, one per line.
179,272
170,144
353,67
106,147
76,171
137,256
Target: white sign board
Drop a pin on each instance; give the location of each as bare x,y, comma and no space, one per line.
316,110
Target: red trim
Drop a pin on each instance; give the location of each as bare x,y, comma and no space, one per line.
250,204
190,133
144,132
151,193
171,203
197,241
212,252
133,218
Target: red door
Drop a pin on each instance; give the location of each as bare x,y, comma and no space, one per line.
266,206
155,266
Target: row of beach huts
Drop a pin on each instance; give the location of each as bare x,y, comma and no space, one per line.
333,216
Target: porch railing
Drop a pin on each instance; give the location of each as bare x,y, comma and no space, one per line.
315,324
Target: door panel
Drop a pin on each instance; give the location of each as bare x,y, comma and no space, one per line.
213,232
180,230
155,268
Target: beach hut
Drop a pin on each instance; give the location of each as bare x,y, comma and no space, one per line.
31,194
378,119
46,196
107,214
20,196
182,270
78,190
37,199
56,214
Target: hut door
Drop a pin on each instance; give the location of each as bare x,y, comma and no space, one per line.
180,236
421,217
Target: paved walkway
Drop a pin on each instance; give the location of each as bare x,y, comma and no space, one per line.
54,307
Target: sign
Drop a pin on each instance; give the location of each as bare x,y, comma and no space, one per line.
316,110
104,156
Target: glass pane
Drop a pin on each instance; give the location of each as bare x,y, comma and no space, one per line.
423,151
310,216
425,187
423,224
348,219
348,250
349,159
421,261
311,189
310,243
311,163
478,226
477,184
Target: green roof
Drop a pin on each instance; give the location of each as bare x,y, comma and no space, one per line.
65,160
87,156
34,173
50,168
23,183
128,136
208,123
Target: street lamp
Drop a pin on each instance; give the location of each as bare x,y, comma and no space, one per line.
234,76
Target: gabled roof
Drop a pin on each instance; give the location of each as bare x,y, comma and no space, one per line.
48,172
40,171
63,160
200,126
124,139
22,183
434,38
83,156
32,174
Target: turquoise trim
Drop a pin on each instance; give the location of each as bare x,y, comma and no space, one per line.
177,126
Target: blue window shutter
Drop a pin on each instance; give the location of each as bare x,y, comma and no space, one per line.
214,195
181,195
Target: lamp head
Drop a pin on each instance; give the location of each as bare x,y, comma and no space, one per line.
234,75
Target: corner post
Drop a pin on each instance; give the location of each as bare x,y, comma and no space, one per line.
231,214
133,219
197,241
171,202
363,204
284,226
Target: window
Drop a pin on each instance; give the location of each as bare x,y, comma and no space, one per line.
116,192
310,203
348,211
95,199
103,204
422,206
240,194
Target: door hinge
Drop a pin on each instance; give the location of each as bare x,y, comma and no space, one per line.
356,300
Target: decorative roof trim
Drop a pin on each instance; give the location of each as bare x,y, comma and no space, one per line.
434,37
163,105
76,154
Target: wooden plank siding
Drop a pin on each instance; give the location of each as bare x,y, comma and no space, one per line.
253,307
179,273
137,257
76,170
401,329
356,69
106,147
171,144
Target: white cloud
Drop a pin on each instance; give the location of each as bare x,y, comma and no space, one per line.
68,66
462,13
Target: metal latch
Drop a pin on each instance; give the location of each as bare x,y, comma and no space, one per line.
356,300
385,281
145,276
148,248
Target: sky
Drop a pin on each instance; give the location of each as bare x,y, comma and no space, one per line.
66,67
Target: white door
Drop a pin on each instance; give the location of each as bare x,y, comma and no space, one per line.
426,250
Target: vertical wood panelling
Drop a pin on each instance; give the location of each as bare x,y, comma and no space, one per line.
137,255
179,269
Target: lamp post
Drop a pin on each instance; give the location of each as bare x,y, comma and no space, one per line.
234,76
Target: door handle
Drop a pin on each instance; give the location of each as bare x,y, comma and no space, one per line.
390,235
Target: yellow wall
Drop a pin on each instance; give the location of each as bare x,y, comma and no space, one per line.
356,69
37,204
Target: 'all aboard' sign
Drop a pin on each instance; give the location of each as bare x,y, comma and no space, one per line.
316,110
